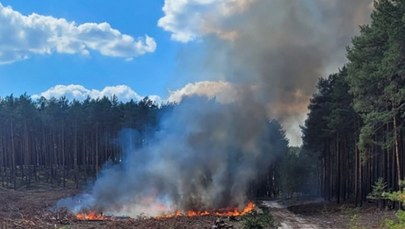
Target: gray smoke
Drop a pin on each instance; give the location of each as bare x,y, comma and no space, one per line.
206,154
281,49
204,157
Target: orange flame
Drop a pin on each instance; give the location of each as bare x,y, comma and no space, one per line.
222,212
170,215
91,215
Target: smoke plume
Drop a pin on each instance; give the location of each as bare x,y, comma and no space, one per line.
206,152
278,47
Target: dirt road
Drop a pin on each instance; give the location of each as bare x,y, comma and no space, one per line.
287,219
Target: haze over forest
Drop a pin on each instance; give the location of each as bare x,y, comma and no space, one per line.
203,105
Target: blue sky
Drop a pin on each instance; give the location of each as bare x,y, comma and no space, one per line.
169,49
149,74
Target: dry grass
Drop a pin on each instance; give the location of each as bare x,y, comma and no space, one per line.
33,209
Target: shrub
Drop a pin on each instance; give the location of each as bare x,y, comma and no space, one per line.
259,221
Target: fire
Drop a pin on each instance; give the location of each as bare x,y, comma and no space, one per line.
222,212
170,215
235,212
91,215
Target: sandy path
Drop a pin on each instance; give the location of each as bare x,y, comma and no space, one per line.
287,219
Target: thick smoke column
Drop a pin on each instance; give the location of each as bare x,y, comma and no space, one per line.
204,157
278,47
206,153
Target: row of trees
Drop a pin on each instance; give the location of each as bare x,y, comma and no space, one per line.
58,141
356,120
270,184
292,171
65,143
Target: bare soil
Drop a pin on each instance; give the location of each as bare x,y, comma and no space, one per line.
32,208
288,220
330,215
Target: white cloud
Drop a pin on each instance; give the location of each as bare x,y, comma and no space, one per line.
188,20
123,93
69,91
223,91
24,36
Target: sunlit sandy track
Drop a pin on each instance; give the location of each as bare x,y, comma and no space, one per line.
287,219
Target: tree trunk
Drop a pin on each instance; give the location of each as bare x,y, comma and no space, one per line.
397,150
97,150
13,166
26,154
63,155
75,156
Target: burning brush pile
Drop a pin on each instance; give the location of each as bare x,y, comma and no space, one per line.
227,212
202,168
216,219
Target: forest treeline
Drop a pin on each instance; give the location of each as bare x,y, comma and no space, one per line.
58,141
354,133
66,143
355,127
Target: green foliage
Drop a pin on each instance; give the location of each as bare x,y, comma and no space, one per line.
395,196
399,223
268,185
399,196
354,222
377,72
379,190
258,221
295,170
331,120
331,112
75,135
64,227
359,112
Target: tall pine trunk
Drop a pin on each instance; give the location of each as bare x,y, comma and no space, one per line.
75,156
397,150
13,166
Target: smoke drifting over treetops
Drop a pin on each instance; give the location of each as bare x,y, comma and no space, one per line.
204,156
206,153
277,47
